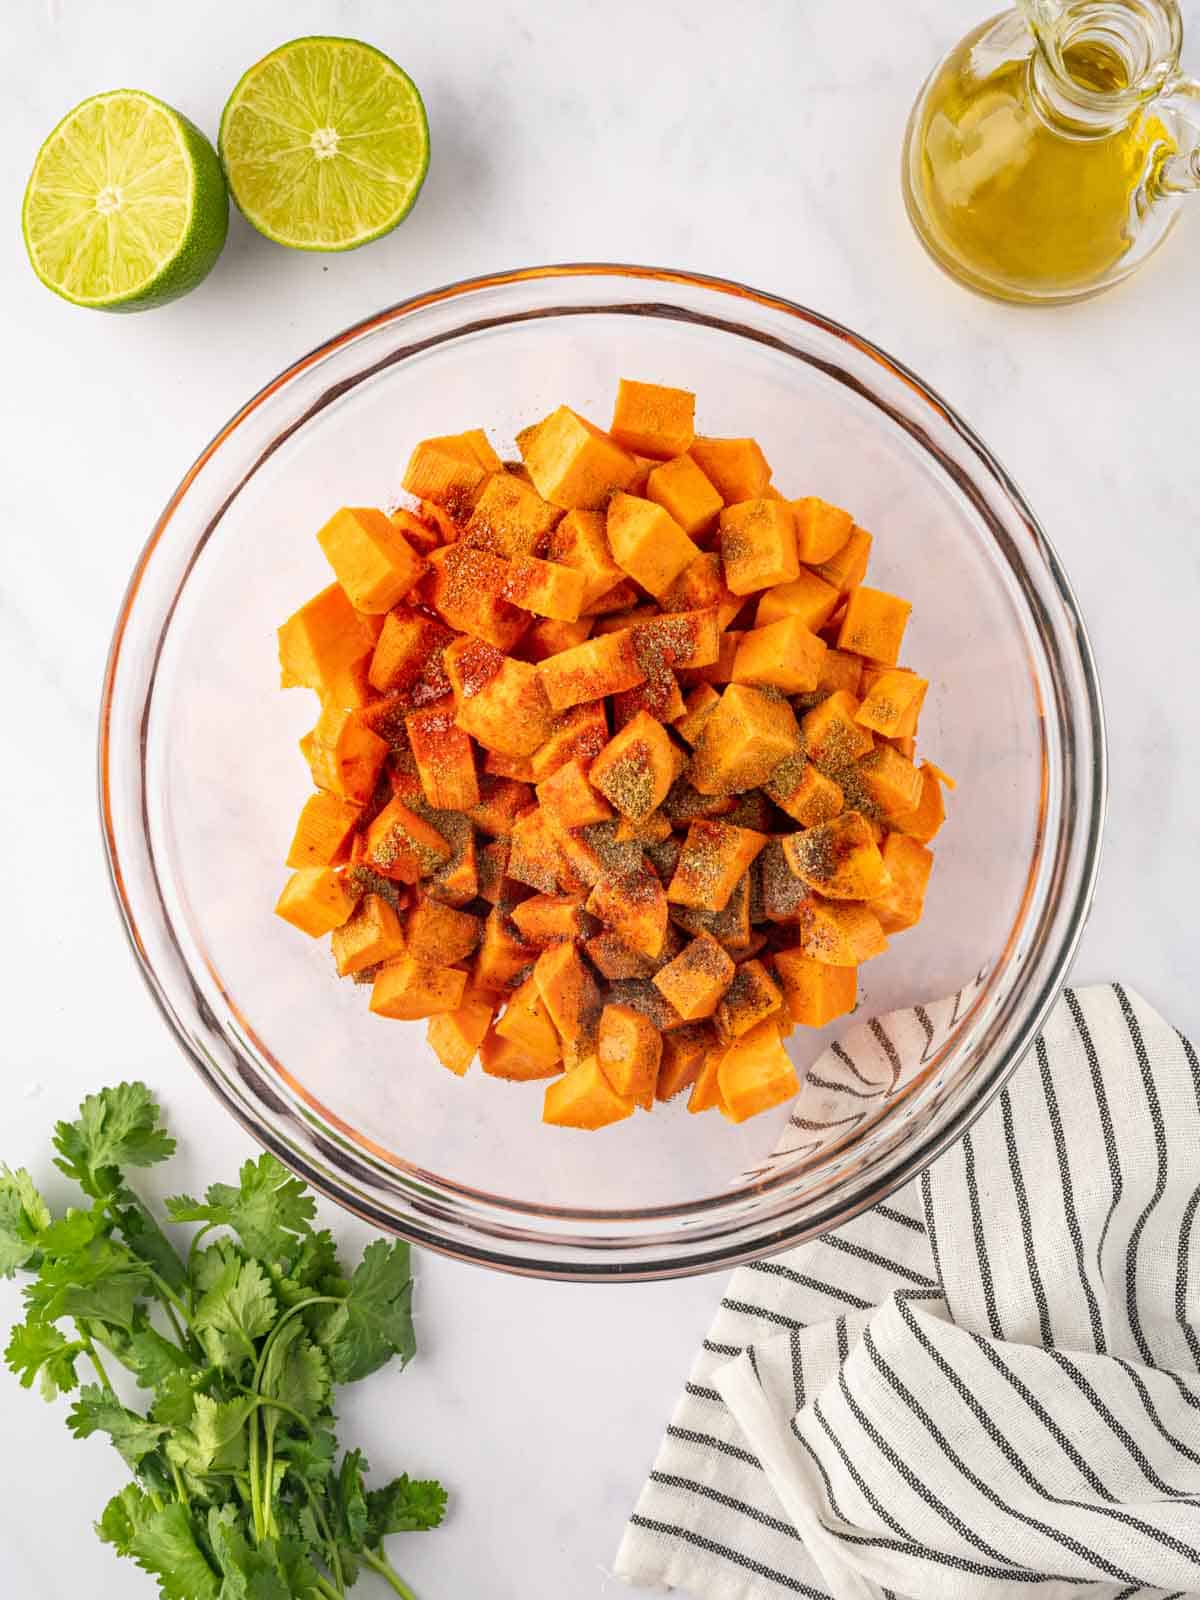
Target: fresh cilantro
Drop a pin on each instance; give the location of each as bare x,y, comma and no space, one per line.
237,1491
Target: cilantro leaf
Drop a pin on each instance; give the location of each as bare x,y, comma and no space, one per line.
73,1231
250,1573
123,1516
147,1240
152,1358
313,1265
211,1264
374,1321
352,1519
297,1570
116,1128
164,1543
268,1210
38,1348
98,1283
216,1439
405,1505
236,1310
98,1410
23,1215
174,1399
295,1371
312,1459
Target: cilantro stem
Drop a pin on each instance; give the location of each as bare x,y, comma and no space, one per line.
180,1336
191,1255
381,1565
94,1357
314,1300
280,1405
335,1560
180,1492
326,1588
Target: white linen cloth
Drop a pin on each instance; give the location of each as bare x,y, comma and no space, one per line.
988,1386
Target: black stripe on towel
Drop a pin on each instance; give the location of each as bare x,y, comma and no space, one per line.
1106,1122
710,1442
1068,1191
723,1550
730,1502
778,1270
981,1249
1018,1178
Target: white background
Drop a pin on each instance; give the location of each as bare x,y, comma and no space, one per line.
755,140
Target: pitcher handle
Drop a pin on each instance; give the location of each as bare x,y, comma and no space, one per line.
1180,173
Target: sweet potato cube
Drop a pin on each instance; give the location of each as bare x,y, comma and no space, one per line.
549,918
576,735
547,588
518,768
635,769
909,863
874,625
839,859
447,471
373,934
832,736
455,1036
438,933
840,671
758,545
721,670
649,830
509,713
315,900
891,780
373,561
715,857
622,597
584,1098
493,869
533,854
571,997
634,905
323,641
526,1023
572,799
683,639
683,491
816,993
598,667
424,536
402,845
614,959
808,597
502,954
706,1088
924,822
783,655
501,800
505,1058
477,442
652,419
755,1074
580,542
444,758
409,990
701,587
697,978
821,529
406,641
892,703
629,1049
743,741
847,567
509,518
647,543
467,589
752,996
322,837
548,636
573,463
841,933
659,697
683,1053
456,881
699,703
804,792
737,468
345,757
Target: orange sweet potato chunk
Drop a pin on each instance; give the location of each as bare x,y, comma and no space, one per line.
322,642
570,996
444,757
599,667
683,1053
647,543
439,933
758,545
371,558
574,464
682,489
584,1098
526,1022
891,702
755,1074
909,865
410,990
842,933
652,419
547,588
315,900
629,1049
816,993
752,996
548,918
373,934
783,655
634,905
715,856
874,625
847,567
323,832
832,736
695,981
839,859
821,529
402,845
737,468
636,768
505,1058
509,518
346,757
448,472
455,1036
891,780
467,589
580,542
925,821
706,1086
509,714
744,740
808,597
572,799
502,954
804,792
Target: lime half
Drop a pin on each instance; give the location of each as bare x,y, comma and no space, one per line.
325,144
126,207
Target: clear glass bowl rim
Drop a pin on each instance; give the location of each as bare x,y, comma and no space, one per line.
718,1231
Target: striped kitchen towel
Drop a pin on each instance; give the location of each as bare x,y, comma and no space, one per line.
988,1386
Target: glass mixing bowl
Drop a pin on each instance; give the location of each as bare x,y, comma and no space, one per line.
200,777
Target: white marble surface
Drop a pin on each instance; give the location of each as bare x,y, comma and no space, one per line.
760,142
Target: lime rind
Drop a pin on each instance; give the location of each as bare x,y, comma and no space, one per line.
325,143
126,207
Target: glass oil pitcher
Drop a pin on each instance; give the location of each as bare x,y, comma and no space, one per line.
1048,154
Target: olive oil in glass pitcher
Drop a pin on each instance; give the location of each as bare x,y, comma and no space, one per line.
1048,154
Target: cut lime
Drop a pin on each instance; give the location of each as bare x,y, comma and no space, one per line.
126,207
325,144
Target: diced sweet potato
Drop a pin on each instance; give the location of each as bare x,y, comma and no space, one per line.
841,933
737,468
573,463
509,518
402,845
526,1023
323,641
421,535
584,1098
444,757
743,741
572,799
647,543
500,802
683,1053
832,736
456,881
821,529
634,905
652,419
658,697
502,954
438,933
614,959
698,704
840,671
620,597
752,996
701,587
783,655
505,1058
909,864
891,780
636,768
467,589
629,1049
576,735
548,918
758,545
839,859
323,833
682,639
346,757
706,1088
373,934
804,792
697,978
548,636
579,541
534,857
874,625
816,993
509,713
315,900
923,822
714,858
755,1074
682,489
590,671
406,642
649,830
455,1036
808,597
409,990
892,702
447,471
570,996
847,567
547,588
373,561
